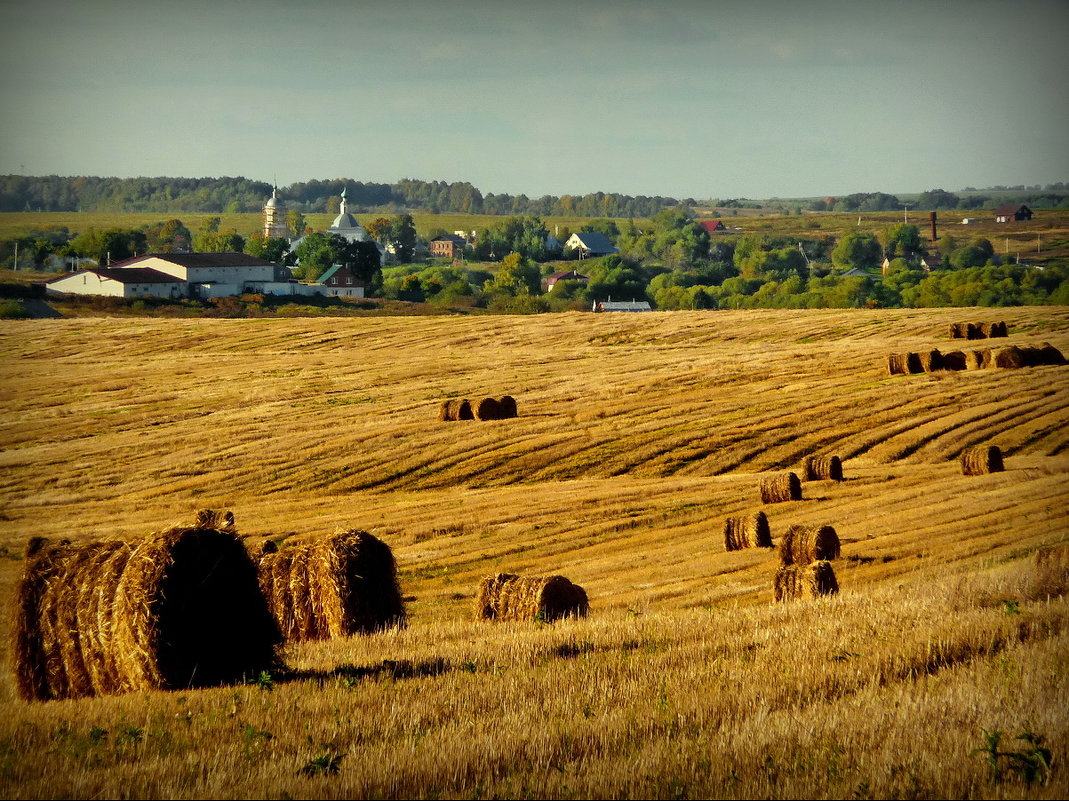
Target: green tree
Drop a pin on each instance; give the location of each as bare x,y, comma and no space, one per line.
272,248
296,222
856,249
901,240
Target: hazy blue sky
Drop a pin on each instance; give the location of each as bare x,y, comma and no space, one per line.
679,98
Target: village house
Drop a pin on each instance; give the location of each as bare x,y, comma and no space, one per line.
178,275
448,246
712,225
1012,213
339,281
590,244
566,275
621,306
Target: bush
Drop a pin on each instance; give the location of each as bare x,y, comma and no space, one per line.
12,310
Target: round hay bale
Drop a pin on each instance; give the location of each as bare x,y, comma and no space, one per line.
897,364
914,364
506,597
973,359
782,487
747,531
487,409
179,608
507,405
1048,354
987,360
999,329
981,460
973,331
456,409
955,360
816,468
931,360
332,587
801,545
957,330
1010,357
799,582
983,330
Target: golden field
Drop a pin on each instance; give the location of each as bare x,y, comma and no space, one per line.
637,436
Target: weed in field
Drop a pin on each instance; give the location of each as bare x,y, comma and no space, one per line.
325,764
1030,765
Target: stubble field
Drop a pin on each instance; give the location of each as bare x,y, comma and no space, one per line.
637,436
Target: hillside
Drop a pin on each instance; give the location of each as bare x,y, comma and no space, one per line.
637,436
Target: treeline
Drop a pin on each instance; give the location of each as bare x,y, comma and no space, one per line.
241,195
1055,196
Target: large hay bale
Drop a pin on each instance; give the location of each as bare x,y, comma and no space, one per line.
897,363
804,544
782,487
1038,355
1010,357
981,460
955,360
987,358
999,329
797,582
507,405
747,531
974,359
974,331
332,587
456,409
179,608
816,468
957,330
487,409
914,364
931,360
510,597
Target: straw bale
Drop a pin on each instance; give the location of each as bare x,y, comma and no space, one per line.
974,359
983,330
987,359
506,597
782,487
1054,556
815,468
931,360
798,582
179,608
456,409
1012,356
487,409
507,404
1047,354
981,460
957,330
747,531
955,360
999,329
804,544
914,364
974,331
332,587
897,363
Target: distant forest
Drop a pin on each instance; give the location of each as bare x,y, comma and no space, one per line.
237,195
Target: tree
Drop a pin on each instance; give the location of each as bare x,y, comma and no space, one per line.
402,235
379,228
856,249
296,222
901,240
272,248
171,236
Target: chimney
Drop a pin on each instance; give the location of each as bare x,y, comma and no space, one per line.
931,216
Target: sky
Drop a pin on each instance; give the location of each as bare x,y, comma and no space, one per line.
681,98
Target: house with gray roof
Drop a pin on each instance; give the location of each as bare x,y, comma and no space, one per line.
590,244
